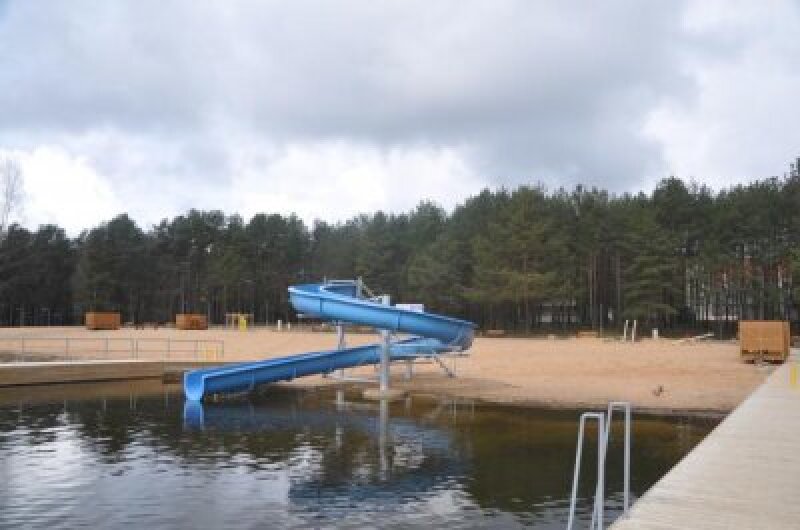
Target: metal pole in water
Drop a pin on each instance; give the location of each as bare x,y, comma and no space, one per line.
383,438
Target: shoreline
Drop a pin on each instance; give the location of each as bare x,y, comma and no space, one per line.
521,403
658,376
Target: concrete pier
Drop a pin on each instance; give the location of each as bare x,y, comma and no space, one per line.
744,475
40,373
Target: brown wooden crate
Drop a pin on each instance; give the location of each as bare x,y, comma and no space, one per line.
95,320
764,336
191,321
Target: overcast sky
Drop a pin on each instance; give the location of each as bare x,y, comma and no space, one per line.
331,108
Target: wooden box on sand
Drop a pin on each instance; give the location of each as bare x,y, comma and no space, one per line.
191,321
95,320
766,340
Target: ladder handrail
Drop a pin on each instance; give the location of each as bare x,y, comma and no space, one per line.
626,477
604,422
601,439
626,466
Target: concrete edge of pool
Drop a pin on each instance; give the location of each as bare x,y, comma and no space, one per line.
55,372
744,474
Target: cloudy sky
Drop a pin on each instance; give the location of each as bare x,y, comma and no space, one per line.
330,108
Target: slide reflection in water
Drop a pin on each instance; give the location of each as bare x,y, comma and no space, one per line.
368,444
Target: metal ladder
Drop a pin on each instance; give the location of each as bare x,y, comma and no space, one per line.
604,422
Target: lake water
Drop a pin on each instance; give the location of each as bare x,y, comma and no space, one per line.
130,455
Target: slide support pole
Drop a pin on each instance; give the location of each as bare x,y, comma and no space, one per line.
386,341
340,343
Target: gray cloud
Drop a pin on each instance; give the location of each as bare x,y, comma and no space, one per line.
179,91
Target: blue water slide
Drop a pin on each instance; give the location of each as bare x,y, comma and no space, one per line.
339,302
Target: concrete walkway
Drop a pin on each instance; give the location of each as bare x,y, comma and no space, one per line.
42,373
744,475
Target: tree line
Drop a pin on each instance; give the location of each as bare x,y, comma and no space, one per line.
682,258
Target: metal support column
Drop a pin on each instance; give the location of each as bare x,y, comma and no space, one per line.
340,344
386,343
383,374
339,399
383,438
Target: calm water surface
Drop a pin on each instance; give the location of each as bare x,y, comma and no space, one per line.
131,455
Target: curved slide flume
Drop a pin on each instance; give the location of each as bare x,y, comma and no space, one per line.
336,301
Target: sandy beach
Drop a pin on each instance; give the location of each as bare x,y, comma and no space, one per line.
656,375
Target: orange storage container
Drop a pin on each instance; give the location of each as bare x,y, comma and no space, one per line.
96,320
764,340
191,321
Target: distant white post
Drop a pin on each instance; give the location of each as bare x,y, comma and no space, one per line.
625,331
633,333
